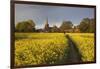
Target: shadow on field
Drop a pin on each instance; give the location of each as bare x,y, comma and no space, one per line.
74,55
19,38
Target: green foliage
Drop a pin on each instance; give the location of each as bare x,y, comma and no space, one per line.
87,25
25,26
66,25
92,25
55,29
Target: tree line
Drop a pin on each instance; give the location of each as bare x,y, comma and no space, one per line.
85,26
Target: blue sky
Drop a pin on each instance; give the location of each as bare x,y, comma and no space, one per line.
55,14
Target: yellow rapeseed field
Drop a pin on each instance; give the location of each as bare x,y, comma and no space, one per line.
85,44
51,48
40,48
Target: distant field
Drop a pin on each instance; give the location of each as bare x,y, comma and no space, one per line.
50,48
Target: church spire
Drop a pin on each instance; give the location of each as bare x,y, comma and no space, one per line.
47,20
46,28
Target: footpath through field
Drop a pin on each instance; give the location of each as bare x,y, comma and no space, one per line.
73,53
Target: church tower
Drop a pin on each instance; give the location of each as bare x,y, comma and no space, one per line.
46,27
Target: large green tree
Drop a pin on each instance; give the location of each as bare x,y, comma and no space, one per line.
87,25
54,29
66,25
92,25
25,26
